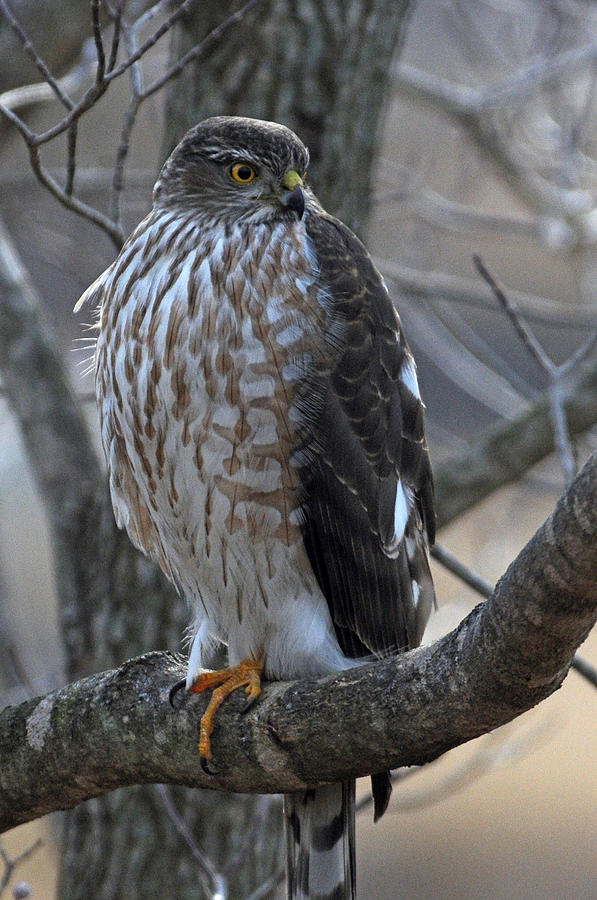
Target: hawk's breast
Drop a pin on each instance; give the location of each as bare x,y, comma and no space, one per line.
200,415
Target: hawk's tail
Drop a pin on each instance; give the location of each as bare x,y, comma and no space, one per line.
320,843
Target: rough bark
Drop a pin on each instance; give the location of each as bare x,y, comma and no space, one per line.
320,68
510,653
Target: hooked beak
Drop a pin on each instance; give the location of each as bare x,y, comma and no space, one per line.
293,197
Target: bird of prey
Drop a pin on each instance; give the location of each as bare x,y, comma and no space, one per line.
263,428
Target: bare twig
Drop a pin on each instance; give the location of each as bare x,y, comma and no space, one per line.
554,373
195,52
471,108
467,100
585,669
151,41
451,215
41,92
156,10
105,73
10,863
34,56
214,883
136,73
525,334
451,562
579,355
466,291
116,16
73,203
71,161
99,44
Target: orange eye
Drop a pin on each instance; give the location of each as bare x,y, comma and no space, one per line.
243,173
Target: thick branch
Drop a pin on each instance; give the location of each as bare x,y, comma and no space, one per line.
510,653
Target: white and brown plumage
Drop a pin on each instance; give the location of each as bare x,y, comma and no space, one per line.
264,434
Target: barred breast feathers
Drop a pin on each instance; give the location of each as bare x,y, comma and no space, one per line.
219,316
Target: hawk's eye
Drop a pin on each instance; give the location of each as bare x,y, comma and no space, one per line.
243,173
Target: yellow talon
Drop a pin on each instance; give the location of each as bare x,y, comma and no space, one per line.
246,674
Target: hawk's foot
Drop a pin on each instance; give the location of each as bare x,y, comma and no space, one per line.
246,674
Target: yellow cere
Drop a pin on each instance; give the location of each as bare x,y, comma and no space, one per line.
291,180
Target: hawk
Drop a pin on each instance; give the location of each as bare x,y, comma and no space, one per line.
263,428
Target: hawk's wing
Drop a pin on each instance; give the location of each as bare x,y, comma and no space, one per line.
368,503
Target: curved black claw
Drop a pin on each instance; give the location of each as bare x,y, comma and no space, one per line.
204,763
249,705
176,687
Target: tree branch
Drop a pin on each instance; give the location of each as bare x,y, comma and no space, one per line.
511,652
436,284
507,450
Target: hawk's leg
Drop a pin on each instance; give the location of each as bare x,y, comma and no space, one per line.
246,674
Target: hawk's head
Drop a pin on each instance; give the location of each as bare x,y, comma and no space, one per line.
231,168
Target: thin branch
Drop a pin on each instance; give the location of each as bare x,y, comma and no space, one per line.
87,102
113,230
214,883
467,291
99,44
454,565
116,17
71,161
28,94
555,374
561,432
469,107
454,216
136,73
585,669
195,52
525,334
579,355
21,34
26,133
151,41
466,100
10,863
156,10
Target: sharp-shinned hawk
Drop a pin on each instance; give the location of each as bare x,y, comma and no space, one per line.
263,428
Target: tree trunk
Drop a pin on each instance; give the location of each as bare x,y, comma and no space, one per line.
319,67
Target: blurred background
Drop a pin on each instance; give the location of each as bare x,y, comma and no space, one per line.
488,145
